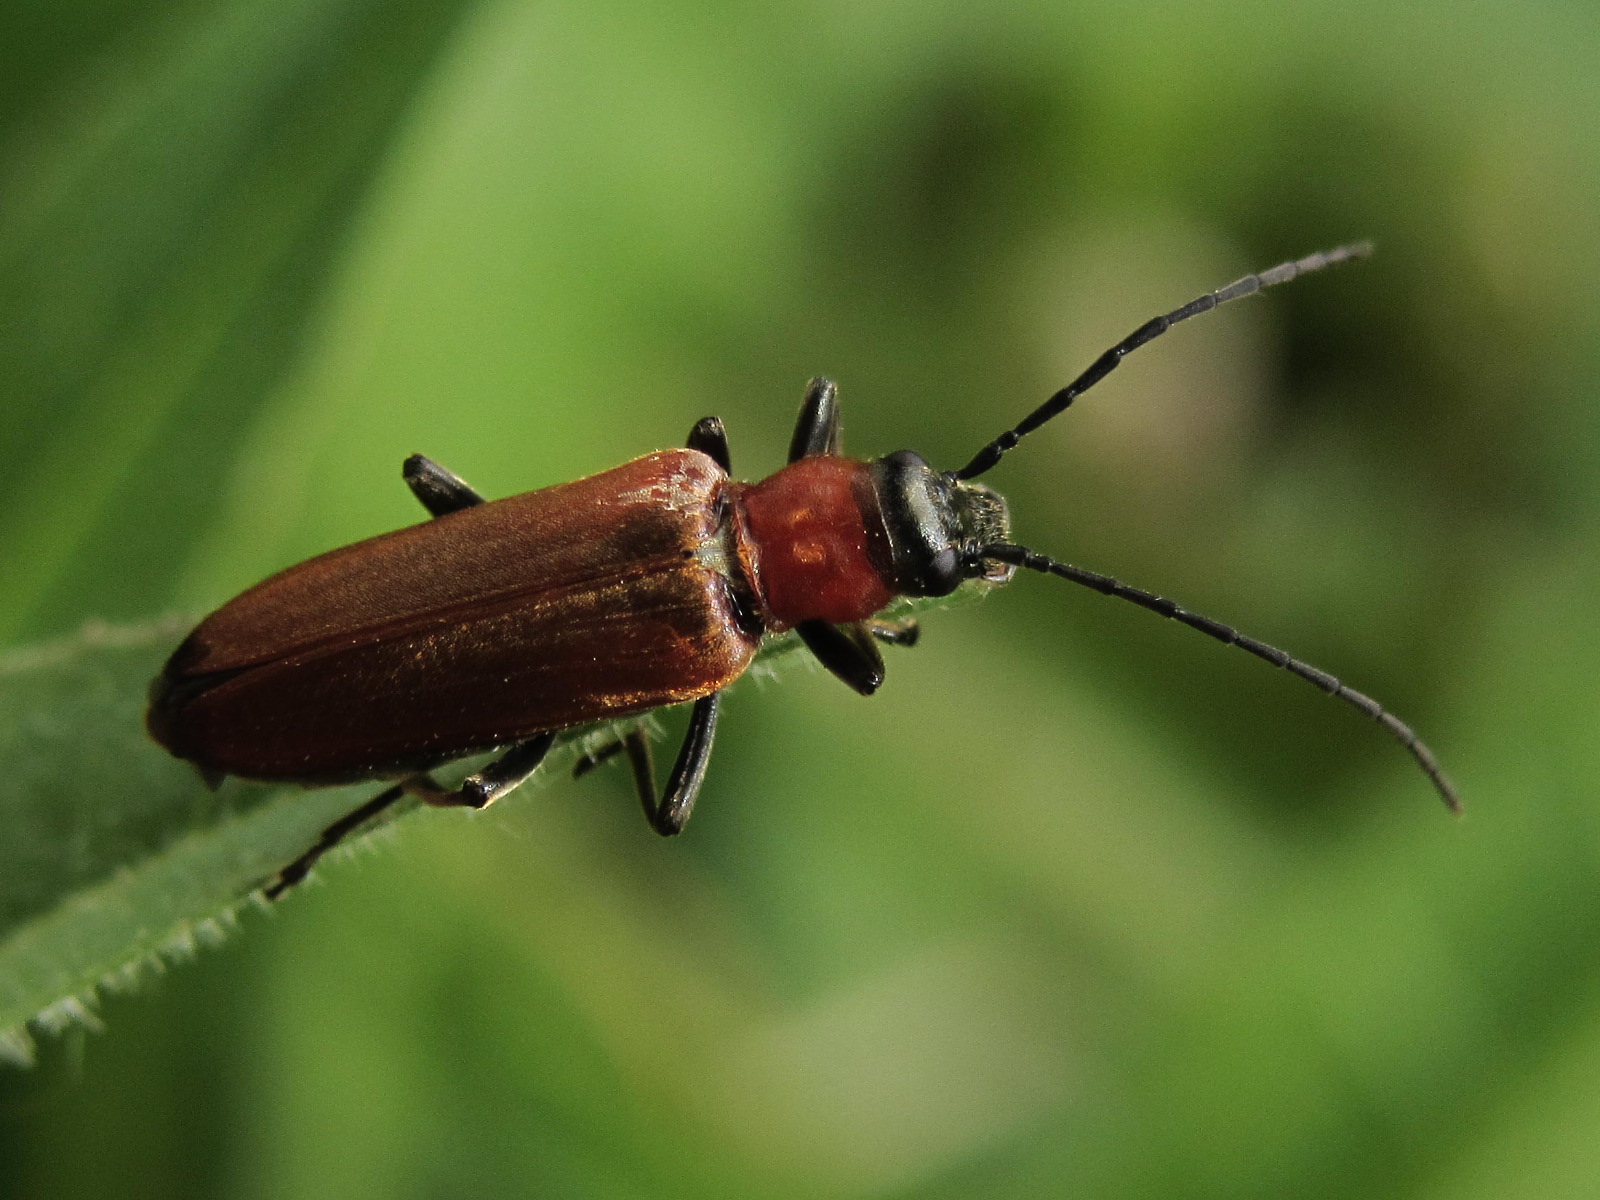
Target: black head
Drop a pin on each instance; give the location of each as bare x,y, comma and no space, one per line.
936,525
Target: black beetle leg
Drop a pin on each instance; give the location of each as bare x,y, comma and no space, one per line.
846,650
817,431
477,790
895,633
593,758
667,814
637,743
483,788
331,837
710,438
440,491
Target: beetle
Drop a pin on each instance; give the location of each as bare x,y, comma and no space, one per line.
497,625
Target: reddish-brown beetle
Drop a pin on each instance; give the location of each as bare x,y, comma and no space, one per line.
497,625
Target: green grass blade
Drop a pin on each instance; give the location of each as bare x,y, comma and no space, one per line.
169,222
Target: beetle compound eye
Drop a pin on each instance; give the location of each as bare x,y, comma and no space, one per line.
944,572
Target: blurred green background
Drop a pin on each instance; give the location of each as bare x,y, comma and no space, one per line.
1081,903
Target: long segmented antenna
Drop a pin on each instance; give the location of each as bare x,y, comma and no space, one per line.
1021,556
1148,332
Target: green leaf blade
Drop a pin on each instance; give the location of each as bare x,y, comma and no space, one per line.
115,853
